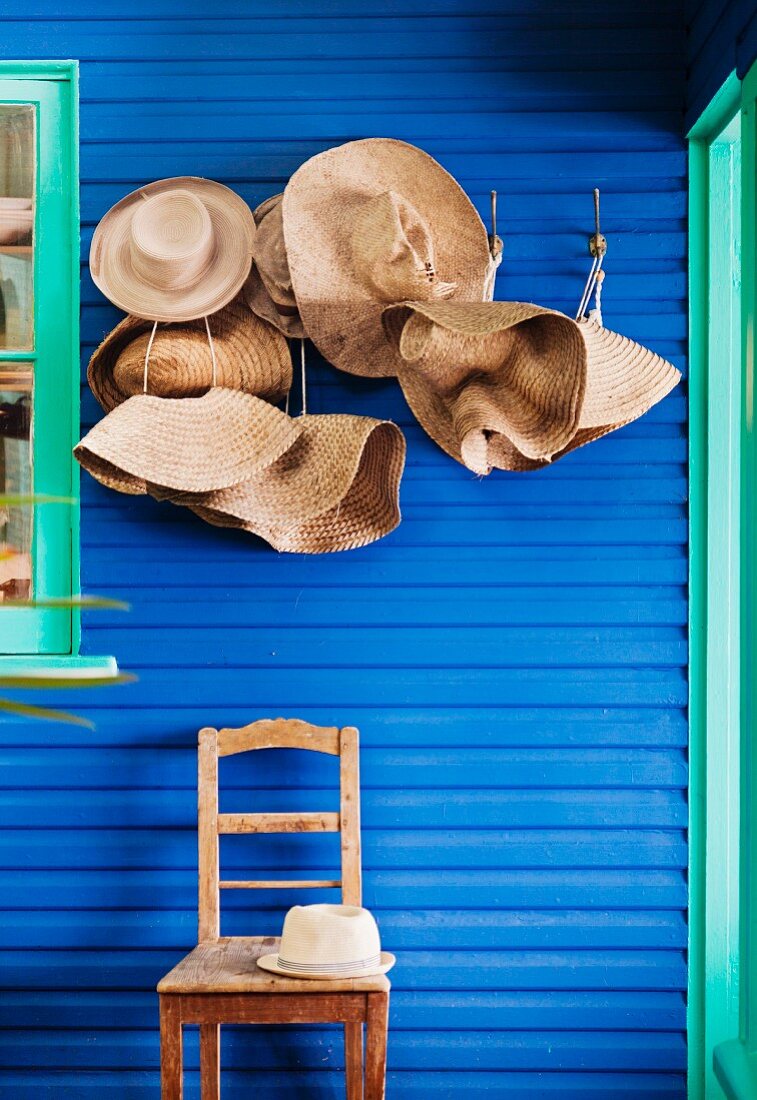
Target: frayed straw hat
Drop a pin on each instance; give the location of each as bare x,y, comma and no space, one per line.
476,370
329,942
269,288
336,488
512,386
370,223
189,444
174,250
250,356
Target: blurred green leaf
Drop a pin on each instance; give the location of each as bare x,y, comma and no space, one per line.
84,602
22,500
62,678
26,710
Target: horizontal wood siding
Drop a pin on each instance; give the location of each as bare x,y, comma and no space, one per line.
721,37
514,655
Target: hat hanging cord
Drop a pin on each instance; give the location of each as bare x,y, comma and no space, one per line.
214,376
598,249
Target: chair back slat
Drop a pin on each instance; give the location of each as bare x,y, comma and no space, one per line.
277,884
267,734
279,733
279,823
349,816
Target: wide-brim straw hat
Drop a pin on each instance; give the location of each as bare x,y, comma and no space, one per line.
250,356
268,290
174,250
370,223
190,444
474,370
624,380
336,488
329,942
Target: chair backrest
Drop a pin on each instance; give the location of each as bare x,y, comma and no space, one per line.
276,733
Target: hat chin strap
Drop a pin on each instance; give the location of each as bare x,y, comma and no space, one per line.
214,363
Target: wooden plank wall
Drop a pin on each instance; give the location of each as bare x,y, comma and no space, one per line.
721,37
514,655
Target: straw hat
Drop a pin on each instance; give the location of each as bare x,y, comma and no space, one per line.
336,488
250,356
476,370
370,223
269,288
190,444
622,380
329,942
174,250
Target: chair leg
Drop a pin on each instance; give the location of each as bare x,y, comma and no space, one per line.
170,1047
377,1026
210,1061
353,1059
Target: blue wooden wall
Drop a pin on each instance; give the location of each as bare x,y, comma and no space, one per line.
514,654
721,37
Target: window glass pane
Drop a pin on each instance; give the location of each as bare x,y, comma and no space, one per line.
15,480
17,184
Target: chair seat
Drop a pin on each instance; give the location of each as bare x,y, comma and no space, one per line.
229,965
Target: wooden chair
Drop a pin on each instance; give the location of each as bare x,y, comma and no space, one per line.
219,981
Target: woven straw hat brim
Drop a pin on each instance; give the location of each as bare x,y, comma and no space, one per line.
624,381
233,232
336,489
251,356
271,963
487,369
273,302
192,444
340,312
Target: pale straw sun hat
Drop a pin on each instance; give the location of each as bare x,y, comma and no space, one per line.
250,356
269,288
174,250
514,386
189,444
329,942
370,223
336,488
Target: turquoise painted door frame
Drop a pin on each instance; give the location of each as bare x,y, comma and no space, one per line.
51,88
723,627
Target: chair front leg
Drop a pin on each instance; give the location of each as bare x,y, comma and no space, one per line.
171,1076
210,1061
353,1060
377,1026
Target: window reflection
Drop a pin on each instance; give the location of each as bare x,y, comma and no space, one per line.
15,481
17,178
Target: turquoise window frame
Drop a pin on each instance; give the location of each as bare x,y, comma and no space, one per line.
52,88
722,1008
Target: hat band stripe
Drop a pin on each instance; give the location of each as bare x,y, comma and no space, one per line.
329,968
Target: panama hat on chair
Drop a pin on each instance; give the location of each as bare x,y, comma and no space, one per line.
269,288
329,942
189,444
370,223
250,356
174,250
514,386
336,488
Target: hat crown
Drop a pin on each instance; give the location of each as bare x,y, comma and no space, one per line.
171,240
271,257
331,937
393,250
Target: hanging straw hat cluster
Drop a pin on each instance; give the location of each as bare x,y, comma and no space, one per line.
377,255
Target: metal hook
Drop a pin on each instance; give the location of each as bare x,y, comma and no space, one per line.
597,243
496,245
